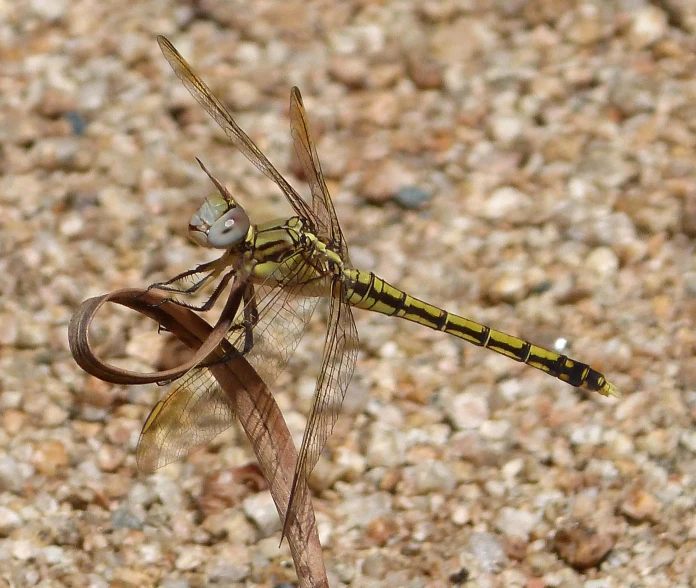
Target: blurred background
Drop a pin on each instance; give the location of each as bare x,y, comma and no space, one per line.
526,163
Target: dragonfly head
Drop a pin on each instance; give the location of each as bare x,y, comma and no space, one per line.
220,222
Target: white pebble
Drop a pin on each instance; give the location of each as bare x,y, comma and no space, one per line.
602,261
489,552
468,410
9,521
649,25
49,9
262,511
513,521
503,202
190,558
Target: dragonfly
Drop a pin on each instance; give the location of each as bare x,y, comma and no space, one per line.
285,267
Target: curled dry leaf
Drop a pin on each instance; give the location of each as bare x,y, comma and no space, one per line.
255,408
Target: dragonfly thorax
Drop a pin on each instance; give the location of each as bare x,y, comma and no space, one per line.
219,223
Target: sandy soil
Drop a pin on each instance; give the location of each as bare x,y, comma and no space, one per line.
529,164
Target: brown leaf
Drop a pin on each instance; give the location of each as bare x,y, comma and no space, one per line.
256,409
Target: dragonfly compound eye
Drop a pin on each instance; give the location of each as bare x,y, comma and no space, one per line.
218,223
229,229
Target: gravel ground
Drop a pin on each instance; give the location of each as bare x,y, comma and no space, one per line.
527,163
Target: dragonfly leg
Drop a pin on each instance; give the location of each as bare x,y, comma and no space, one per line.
208,303
168,285
216,294
251,317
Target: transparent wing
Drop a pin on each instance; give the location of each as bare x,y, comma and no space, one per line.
283,315
193,412
338,363
204,96
326,219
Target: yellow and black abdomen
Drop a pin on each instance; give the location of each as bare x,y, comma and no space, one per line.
365,290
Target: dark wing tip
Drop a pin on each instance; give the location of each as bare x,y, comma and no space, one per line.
295,93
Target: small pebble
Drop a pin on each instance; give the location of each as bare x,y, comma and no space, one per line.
425,71
55,103
582,546
509,288
9,521
506,128
221,571
641,506
110,458
227,488
55,555
649,24
385,447
77,123
381,530
13,421
686,376
123,519
516,522
12,476
262,512
488,551
24,550
360,511
54,416
602,262
169,583
191,558
427,477
587,25
350,71
383,180
62,153
659,443
504,201
467,410
232,524
10,329
50,457
411,197
243,95
49,9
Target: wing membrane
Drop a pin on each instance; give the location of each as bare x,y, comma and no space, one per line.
194,411
338,363
283,315
322,205
205,97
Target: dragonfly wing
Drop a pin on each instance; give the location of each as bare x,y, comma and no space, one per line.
283,314
193,412
205,97
283,319
338,363
322,204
